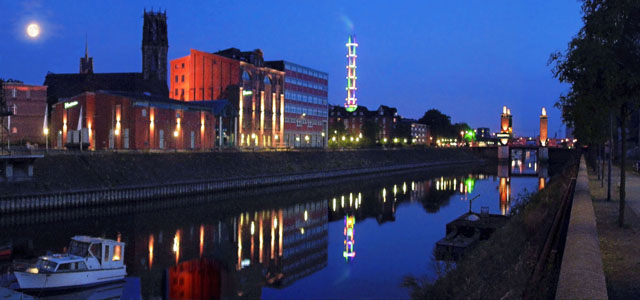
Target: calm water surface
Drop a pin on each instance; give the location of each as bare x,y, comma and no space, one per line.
341,239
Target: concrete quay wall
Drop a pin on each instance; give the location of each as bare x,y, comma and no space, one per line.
581,272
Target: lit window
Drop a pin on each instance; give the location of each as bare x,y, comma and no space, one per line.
117,251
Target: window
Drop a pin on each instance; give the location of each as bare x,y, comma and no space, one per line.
176,78
144,112
28,94
183,65
246,75
106,252
182,94
176,93
14,93
267,79
182,78
117,251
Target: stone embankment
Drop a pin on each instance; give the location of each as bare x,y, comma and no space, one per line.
94,179
581,273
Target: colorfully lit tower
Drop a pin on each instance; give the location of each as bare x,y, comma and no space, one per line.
351,101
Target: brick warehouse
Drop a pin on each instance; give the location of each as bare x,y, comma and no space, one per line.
28,104
120,120
243,79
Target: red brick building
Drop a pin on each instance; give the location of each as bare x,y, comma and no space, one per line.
120,120
243,79
28,104
386,118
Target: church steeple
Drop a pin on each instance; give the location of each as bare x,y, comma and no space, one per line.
86,62
155,46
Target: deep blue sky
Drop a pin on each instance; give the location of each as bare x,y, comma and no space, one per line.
466,58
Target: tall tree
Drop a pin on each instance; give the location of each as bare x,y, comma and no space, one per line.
439,123
602,64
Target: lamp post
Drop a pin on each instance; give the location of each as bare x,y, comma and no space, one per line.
176,134
46,138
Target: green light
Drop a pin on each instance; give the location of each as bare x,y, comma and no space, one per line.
470,136
70,104
470,184
247,93
351,108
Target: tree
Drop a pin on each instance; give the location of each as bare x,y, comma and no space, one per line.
439,123
602,64
370,130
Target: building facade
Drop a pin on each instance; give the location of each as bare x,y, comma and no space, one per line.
27,103
243,78
306,97
118,120
419,133
385,118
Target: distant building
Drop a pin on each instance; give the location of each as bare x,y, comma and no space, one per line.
152,80
305,94
121,120
419,132
483,133
241,77
27,103
386,118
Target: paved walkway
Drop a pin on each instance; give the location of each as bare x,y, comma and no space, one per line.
633,187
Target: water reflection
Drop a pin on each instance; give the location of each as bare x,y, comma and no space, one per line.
263,246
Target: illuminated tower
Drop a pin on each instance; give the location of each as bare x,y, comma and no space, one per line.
543,128
351,101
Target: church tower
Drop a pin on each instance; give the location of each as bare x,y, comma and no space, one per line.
86,62
155,46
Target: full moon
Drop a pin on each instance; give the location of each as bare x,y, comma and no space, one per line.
33,30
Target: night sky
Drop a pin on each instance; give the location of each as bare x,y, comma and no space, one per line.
466,58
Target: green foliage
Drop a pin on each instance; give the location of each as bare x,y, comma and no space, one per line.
439,123
602,64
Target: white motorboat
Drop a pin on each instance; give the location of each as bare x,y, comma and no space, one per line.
89,261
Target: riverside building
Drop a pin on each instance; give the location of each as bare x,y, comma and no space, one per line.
27,103
243,78
305,93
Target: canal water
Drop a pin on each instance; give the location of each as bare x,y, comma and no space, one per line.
345,238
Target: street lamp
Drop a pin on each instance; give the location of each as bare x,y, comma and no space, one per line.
176,134
46,138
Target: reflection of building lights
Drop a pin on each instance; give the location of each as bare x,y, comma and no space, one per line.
201,239
150,250
349,223
302,230
253,228
275,222
176,245
334,204
305,215
342,201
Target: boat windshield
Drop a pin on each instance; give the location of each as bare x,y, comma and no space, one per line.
46,265
78,248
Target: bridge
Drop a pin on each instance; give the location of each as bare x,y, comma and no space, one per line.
505,137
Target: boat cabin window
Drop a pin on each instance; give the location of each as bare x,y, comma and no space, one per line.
106,253
67,267
78,248
96,250
46,265
117,252
82,266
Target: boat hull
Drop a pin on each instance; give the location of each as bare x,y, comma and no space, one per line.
67,280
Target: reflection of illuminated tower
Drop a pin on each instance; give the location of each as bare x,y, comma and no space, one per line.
349,222
351,101
505,195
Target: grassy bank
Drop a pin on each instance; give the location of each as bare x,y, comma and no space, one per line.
500,267
107,170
